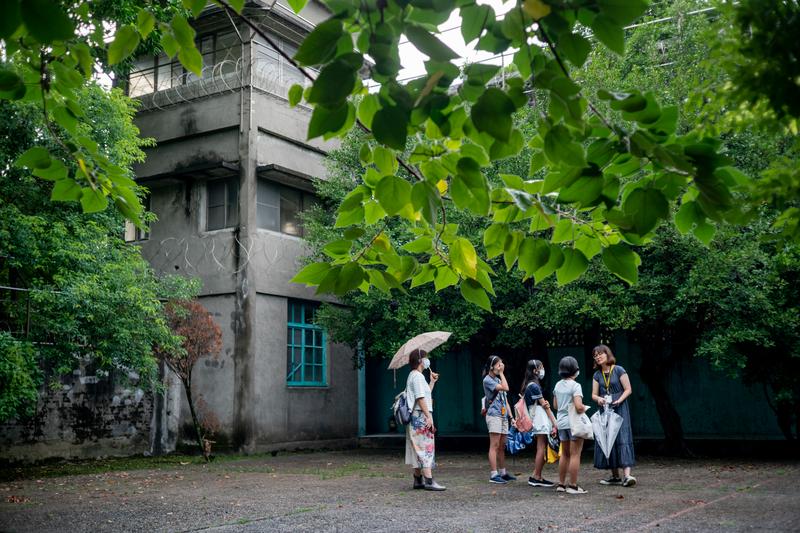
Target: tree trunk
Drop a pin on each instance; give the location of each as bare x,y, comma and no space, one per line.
655,373
197,428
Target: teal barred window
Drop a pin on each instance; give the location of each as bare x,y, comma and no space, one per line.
305,349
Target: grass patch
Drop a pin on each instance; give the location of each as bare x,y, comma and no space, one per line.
338,471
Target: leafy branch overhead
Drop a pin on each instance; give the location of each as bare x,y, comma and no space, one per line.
606,169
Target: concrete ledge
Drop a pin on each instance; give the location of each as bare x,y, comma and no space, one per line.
323,444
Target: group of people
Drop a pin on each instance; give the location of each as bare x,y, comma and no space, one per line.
611,388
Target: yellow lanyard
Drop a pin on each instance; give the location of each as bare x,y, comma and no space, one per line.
608,381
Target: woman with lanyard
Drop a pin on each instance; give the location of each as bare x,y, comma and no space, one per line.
612,386
495,408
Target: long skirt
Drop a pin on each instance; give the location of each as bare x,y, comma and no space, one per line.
420,446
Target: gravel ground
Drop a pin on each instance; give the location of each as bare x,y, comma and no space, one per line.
370,490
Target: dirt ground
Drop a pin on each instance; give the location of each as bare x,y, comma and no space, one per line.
369,490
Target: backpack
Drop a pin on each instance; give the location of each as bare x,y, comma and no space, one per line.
400,409
524,422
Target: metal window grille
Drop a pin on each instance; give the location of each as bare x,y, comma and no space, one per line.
306,347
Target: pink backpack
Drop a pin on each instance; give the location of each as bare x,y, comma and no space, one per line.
524,422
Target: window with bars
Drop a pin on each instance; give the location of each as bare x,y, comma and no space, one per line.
305,349
222,203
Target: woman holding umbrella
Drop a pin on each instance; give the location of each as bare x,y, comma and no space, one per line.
611,385
420,445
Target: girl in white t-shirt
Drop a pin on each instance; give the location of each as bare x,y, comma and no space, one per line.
566,392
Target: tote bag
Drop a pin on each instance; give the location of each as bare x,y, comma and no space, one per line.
541,422
579,424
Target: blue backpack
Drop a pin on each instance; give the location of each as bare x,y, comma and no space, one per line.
400,409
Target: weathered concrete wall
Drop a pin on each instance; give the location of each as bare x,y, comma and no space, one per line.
299,414
88,415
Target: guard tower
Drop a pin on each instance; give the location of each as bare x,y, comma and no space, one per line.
228,178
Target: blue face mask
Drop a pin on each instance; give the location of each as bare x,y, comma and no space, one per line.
426,363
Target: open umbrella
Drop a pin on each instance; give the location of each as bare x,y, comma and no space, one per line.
606,424
424,341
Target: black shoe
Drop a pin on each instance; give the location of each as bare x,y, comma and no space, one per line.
418,483
611,481
533,482
508,477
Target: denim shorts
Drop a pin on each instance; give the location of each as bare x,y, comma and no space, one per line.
565,435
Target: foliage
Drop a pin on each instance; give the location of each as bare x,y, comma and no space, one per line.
201,337
19,377
92,298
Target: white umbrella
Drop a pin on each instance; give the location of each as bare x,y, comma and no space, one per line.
424,341
606,424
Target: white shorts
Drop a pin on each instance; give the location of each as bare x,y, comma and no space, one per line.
497,424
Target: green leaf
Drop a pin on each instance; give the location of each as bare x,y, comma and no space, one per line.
47,21
338,248
92,200
183,32
350,278
469,187
688,216
295,94
66,190
296,5
705,232
312,274
511,248
12,87
472,292
589,245
169,44
474,19
445,277
195,6
533,255
373,212
191,59
559,147
564,232
464,258
585,191
575,47
622,262
428,44
335,82
394,194
125,42
573,267
319,46
390,127
492,114
644,208
33,158
385,160
425,199
554,262
623,12
56,171
324,120
419,246
367,108
609,33
145,22
494,239
10,18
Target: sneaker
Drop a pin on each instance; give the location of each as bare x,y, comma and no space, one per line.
418,483
533,482
611,481
561,488
575,489
630,481
508,477
434,486
498,479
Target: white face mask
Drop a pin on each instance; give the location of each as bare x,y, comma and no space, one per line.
578,373
541,374
426,363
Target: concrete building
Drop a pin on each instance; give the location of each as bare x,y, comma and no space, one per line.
229,175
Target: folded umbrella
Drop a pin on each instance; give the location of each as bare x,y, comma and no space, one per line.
606,424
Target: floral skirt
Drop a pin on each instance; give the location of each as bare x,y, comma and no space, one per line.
420,447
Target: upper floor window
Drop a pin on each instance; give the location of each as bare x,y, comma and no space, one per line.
133,233
222,203
221,55
278,207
